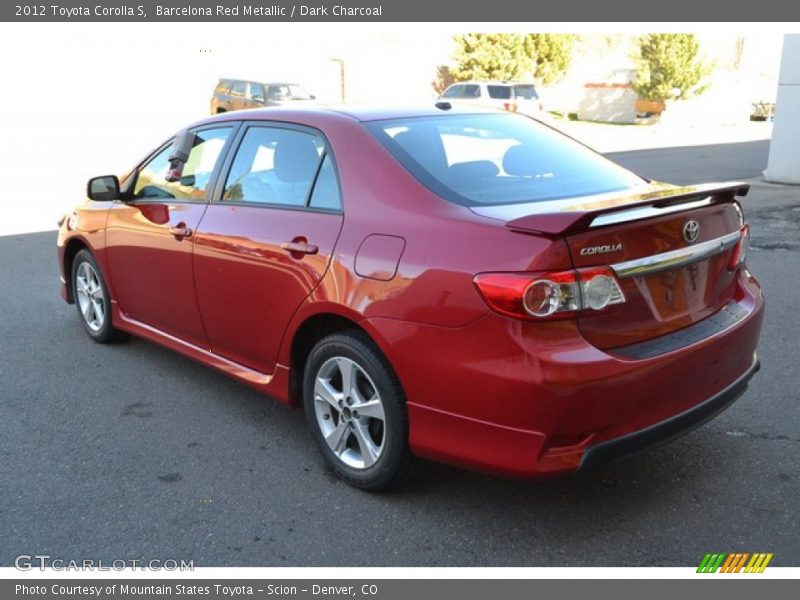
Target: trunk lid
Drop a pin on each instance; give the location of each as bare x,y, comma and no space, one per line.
670,249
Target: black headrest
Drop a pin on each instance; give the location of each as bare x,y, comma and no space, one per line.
521,161
474,169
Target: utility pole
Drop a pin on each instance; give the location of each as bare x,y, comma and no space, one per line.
341,78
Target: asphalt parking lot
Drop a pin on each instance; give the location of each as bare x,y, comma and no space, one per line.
133,452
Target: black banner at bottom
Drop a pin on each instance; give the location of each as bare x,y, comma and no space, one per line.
388,589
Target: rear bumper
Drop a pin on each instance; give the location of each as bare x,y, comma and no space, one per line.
666,431
535,400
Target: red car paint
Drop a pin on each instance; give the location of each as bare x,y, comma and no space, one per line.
486,391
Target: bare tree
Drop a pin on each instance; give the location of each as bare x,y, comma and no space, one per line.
444,78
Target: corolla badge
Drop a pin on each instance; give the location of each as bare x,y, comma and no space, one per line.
691,230
590,250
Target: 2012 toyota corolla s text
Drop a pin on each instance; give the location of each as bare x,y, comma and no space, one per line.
466,286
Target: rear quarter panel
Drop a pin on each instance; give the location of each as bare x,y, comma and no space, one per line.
445,245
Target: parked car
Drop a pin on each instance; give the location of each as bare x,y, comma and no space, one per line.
456,284
238,94
502,95
762,111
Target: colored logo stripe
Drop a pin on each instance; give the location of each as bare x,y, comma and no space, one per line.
710,563
733,563
758,563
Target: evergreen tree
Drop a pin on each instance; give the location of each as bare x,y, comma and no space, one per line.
550,55
481,56
669,68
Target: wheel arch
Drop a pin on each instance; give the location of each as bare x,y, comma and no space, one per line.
311,329
71,249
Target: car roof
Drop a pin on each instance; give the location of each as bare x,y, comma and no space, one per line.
246,80
492,82
357,112
377,112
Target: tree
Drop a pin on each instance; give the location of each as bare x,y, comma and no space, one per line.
550,55
444,78
669,68
509,56
489,56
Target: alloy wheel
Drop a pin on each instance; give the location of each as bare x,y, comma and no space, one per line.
349,412
91,299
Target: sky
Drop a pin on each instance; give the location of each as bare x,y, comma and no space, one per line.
83,99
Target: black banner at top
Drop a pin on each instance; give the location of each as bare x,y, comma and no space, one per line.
388,11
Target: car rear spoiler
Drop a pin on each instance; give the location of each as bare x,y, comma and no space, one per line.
581,214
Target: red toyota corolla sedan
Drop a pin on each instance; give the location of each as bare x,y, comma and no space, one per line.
466,286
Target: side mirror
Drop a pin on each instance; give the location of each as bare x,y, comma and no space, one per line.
103,189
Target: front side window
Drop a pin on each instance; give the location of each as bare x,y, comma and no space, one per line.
297,92
454,91
279,92
274,166
498,159
151,182
472,91
256,91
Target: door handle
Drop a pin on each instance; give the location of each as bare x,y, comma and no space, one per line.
180,231
300,246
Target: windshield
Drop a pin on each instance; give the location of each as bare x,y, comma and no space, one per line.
498,159
287,91
525,92
299,93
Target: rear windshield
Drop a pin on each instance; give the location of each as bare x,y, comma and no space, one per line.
481,160
525,92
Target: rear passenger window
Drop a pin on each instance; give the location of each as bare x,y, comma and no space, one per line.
274,166
326,188
499,92
238,88
151,182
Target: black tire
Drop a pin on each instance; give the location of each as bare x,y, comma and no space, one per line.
394,462
101,332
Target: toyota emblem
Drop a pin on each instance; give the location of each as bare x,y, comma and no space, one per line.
691,230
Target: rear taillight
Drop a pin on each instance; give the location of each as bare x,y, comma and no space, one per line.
599,288
510,106
739,254
552,295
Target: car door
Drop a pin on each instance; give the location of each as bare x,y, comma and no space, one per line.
454,92
266,239
472,94
238,95
255,95
149,238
